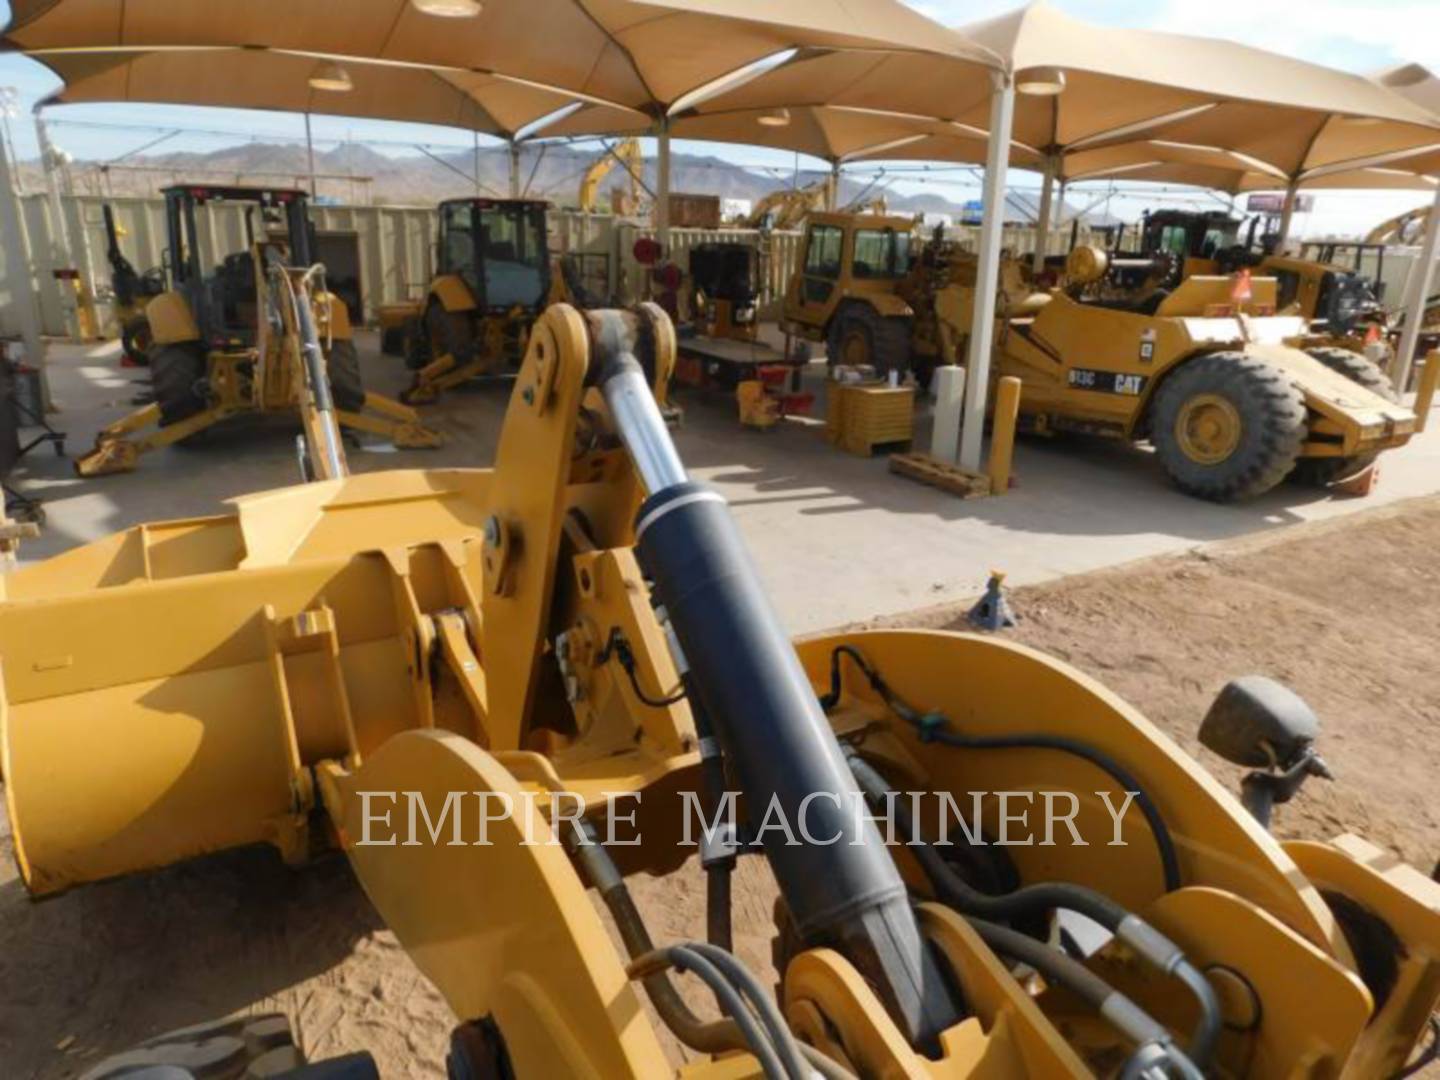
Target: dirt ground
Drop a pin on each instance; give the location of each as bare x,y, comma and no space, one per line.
1346,612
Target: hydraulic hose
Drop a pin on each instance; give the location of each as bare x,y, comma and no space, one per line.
1147,942
930,726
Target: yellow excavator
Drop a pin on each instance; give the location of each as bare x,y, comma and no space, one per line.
494,689
626,153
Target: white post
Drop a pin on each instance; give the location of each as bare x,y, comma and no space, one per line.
60,255
475,161
949,400
1042,218
514,169
987,272
1287,213
662,186
832,200
19,279
1419,282
310,152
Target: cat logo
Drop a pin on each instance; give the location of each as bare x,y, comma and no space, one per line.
1107,382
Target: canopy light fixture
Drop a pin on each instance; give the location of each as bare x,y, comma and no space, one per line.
1041,81
329,75
774,118
448,9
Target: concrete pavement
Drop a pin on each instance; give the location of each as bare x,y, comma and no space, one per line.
837,538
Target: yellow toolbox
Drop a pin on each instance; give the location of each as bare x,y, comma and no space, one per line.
860,417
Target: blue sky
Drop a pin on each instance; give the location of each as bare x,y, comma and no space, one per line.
1349,34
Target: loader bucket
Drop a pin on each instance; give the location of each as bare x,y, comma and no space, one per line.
165,690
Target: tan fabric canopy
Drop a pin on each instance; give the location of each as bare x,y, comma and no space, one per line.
637,55
260,79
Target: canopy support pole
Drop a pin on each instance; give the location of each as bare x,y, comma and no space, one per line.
475,162
662,186
987,272
61,257
1042,219
832,194
1419,282
19,278
514,148
310,154
1287,214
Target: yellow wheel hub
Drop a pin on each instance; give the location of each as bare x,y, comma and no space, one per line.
1208,428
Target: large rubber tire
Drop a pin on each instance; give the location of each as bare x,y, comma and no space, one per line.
250,1046
177,373
451,332
1320,472
136,340
868,338
1271,426
342,364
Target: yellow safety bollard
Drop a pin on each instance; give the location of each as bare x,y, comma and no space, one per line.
1002,434
1425,392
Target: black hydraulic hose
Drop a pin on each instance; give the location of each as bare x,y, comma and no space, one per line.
786,1045
683,958
1147,942
930,727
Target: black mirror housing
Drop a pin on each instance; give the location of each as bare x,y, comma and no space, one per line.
1259,723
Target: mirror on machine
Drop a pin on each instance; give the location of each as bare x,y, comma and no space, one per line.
1259,723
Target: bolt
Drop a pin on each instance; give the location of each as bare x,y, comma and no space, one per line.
529,395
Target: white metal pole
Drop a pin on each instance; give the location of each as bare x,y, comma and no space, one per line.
1287,214
475,135
662,186
1419,282
832,202
987,272
1042,218
19,278
310,152
60,255
514,169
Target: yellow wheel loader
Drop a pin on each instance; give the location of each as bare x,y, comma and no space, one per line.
221,344
494,275
497,688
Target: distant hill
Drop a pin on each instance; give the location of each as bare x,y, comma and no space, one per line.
356,173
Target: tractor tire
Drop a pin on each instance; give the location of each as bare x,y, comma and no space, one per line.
451,332
177,373
417,344
1227,426
250,1046
136,341
1321,472
860,335
342,365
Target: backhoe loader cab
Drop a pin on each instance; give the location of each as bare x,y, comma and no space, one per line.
494,274
846,290
230,338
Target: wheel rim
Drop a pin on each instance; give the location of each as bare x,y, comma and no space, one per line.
1208,428
854,349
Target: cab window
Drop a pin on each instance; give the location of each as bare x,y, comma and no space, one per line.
822,251
881,253
457,240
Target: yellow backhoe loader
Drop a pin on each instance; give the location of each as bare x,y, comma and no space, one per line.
130,292
626,153
494,275
222,344
563,658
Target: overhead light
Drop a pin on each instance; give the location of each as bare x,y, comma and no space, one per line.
329,75
1041,81
448,9
774,118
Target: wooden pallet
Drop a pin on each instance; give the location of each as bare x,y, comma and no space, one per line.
939,474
